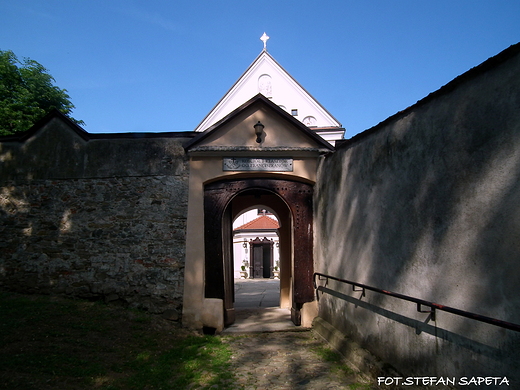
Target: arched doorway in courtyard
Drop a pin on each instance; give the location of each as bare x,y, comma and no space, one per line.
291,201
256,257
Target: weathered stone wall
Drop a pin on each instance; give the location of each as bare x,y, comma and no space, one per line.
94,218
427,204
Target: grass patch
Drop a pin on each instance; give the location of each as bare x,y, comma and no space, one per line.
339,367
337,362
56,343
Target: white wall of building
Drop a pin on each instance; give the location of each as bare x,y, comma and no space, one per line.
241,254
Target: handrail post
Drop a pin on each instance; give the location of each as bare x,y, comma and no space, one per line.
362,289
431,311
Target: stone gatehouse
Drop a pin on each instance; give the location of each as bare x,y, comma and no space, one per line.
424,204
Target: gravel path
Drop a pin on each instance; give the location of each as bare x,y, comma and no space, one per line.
289,360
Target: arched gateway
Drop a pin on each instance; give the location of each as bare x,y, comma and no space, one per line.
292,201
257,155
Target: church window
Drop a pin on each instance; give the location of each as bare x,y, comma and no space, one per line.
309,121
265,85
294,112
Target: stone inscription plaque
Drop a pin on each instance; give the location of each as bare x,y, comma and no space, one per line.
258,164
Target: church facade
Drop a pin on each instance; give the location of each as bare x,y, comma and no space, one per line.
424,204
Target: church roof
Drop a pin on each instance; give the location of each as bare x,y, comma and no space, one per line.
268,77
261,223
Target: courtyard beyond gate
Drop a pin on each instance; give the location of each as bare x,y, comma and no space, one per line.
257,305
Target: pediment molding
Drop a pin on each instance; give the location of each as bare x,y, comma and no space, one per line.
235,132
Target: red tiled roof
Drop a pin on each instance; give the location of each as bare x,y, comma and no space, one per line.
261,223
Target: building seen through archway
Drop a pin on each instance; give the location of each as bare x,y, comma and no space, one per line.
256,245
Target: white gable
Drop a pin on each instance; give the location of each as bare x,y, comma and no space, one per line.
267,77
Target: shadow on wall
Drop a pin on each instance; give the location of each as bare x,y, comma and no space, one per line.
88,227
426,204
94,239
420,326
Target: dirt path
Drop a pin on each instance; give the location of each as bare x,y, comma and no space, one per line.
289,360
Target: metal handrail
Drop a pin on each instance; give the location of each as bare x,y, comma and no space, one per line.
420,302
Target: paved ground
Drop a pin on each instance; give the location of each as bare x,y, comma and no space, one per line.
257,293
269,352
257,307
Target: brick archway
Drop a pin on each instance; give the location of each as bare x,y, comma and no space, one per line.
297,198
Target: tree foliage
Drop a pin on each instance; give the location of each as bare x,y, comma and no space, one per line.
27,93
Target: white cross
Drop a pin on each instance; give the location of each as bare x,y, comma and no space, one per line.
264,39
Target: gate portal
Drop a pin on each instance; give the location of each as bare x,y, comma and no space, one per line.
257,152
292,200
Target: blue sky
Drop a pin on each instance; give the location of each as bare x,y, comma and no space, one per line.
162,65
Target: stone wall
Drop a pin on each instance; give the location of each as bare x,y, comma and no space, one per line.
427,204
97,218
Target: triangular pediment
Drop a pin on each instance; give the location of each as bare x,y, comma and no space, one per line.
235,132
267,77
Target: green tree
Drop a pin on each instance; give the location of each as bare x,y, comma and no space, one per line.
27,93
